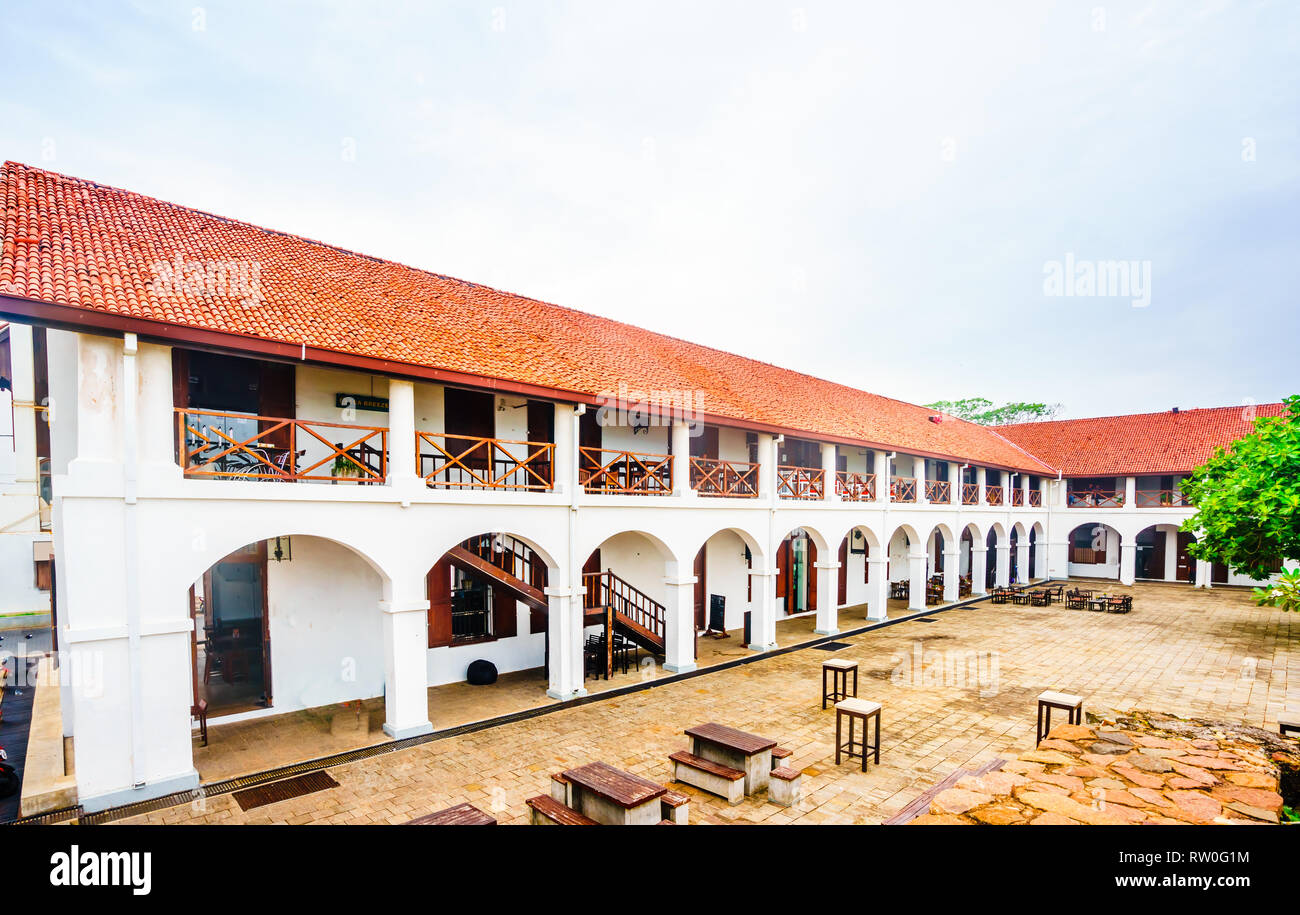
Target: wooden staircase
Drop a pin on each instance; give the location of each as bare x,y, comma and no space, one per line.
505,563
611,601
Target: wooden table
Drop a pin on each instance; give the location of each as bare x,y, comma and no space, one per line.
612,796
739,749
460,815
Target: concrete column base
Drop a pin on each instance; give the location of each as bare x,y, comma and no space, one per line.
563,697
680,668
414,730
826,632
187,781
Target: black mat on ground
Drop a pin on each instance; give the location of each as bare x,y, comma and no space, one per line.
283,790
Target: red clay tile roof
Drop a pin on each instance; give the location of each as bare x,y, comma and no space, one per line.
1138,443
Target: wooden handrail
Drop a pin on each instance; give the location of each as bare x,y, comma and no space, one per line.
970,494
1094,498
1036,498
466,462
627,472
510,555
993,495
605,589
800,482
1159,498
855,487
712,477
207,448
902,489
1017,496
938,491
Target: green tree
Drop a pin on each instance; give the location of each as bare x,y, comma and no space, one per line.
981,410
1247,500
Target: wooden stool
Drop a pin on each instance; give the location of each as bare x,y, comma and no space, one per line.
839,686
1287,723
863,710
1073,705
200,711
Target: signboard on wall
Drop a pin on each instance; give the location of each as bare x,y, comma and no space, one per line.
361,402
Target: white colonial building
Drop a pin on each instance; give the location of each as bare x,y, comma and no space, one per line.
286,476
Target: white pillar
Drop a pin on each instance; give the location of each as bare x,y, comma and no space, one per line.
951,574
979,569
1023,572
881,465
916,575
1004,565
401,434
954,483
406,674
828,583
763,610
828,473
1040,559
877,588
1203,574
679,635
157,426
22,367
681,433
1130,493
918,474
565,674
1127,561
981,480
99,427
767,461
566,448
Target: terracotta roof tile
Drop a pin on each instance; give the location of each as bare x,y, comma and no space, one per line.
1138,443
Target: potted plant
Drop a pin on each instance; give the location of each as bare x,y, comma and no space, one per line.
345,467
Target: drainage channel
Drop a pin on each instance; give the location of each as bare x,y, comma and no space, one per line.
228,786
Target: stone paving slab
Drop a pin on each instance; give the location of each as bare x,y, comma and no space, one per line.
957,694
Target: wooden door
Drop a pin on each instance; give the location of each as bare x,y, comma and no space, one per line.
1156,558
541,429
844,571
590,436
468,413
701,588
1184,564
276,399
705,445
266,626
783,576
590,567
438,585
810,574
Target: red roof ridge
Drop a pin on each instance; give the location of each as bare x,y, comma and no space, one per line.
1180,412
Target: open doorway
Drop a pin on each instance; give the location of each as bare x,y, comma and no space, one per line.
232,643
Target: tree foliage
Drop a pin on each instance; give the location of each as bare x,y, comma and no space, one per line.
981,410
1247,499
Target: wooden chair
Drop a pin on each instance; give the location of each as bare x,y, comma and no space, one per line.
200,711
1074,600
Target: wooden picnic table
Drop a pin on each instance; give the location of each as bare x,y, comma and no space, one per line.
741,750
612,796
460,815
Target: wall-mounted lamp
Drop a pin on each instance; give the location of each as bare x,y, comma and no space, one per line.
282,550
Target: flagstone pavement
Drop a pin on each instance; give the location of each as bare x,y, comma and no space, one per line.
956,692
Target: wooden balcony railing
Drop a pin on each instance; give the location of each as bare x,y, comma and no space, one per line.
970,494
902,489
800,482
239,446
993,495
736,479
1036,498
1159,498
938,491
855,487
1095,498
1018,496
465,462
625,472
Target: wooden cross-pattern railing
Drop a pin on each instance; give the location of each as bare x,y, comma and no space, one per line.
465,462
855,487
1159,498
210,446
902,489
605,589
625,472
938,491
1095,498
711,477
800,482
993,495
970,494
1036,498
1017,496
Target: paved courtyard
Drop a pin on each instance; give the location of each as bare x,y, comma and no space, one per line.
957,693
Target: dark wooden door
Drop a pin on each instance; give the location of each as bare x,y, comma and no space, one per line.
705,445
541,429
810,575
1156,558
701,588
468,413
783,576
590,436
1185,565
438,585
844,571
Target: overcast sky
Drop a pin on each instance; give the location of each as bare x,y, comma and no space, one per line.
874,193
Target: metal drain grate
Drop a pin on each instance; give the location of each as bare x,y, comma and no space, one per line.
284,790
926,619
831,646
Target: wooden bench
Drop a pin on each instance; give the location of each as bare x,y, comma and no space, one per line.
460,815
779,756
1071,704
786,786
611,796
707,775
675,807
1288,723
547,811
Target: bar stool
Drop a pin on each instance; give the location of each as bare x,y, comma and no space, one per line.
860,710
1071,704
839,669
